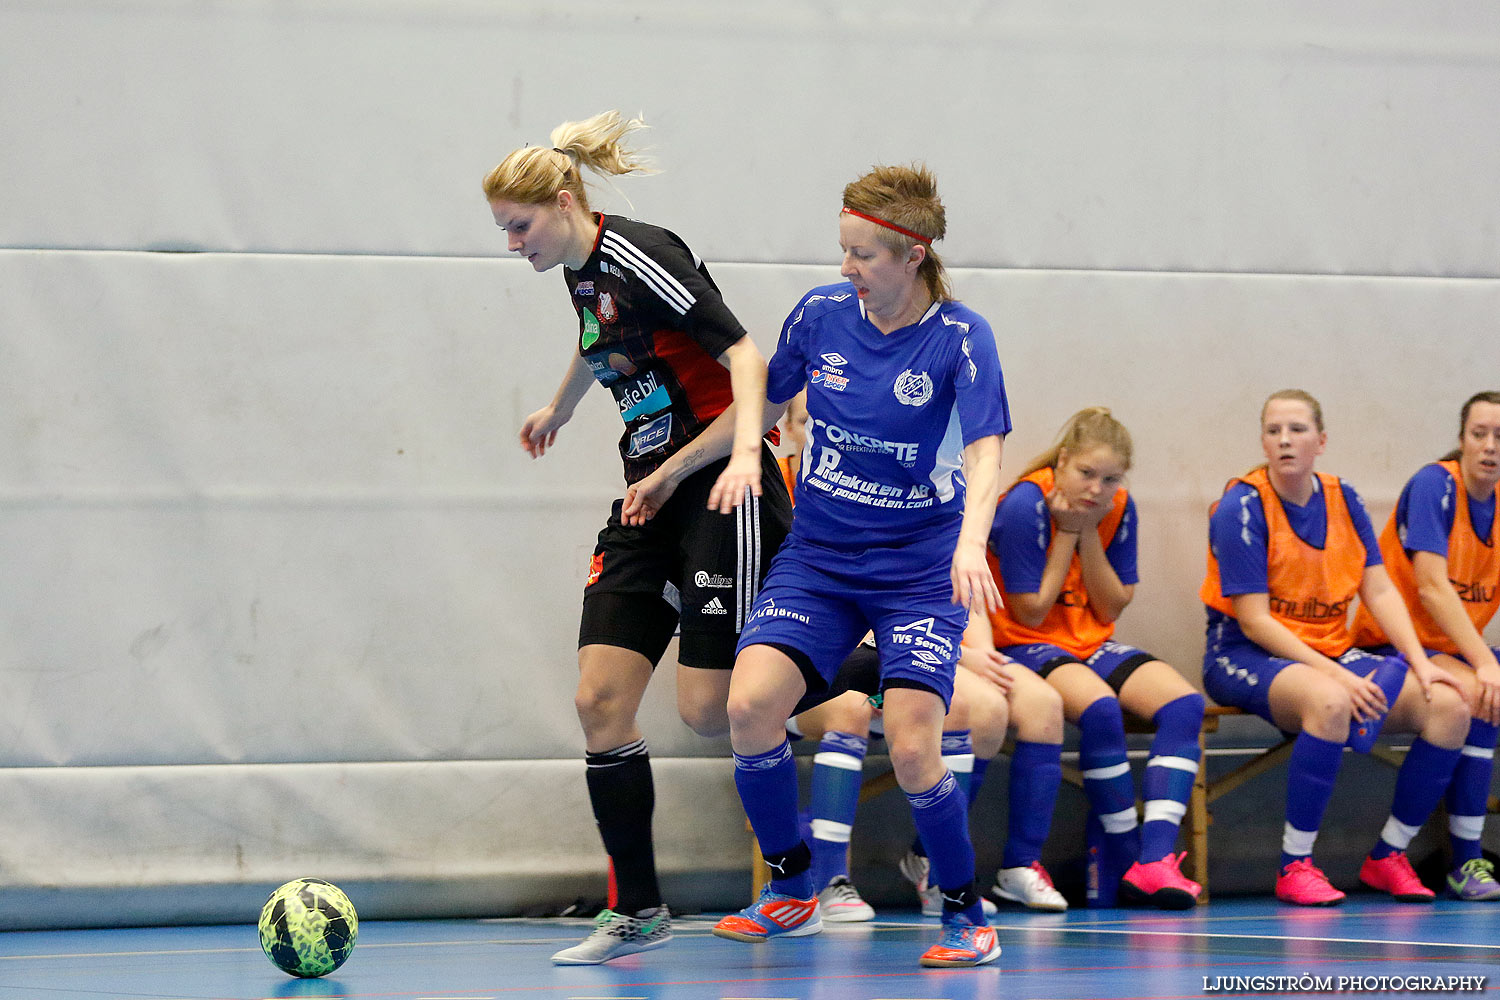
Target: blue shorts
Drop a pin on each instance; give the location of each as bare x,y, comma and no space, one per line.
1393,651
818,602
1112,661
1239,673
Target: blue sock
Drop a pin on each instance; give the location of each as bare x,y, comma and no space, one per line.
976,778
1035,772
1420,783
1310,775
941,814
1107,780
958,758
1170,771
1469,792
767,785
835,799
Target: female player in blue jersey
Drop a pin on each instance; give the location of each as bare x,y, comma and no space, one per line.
1289,548
1064,550
1442,549
895,495
654,330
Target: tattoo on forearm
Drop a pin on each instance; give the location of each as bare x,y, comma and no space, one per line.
692,459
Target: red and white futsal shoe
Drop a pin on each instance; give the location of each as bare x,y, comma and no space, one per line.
963,946
772,915
1393,874
1031,886
1304,884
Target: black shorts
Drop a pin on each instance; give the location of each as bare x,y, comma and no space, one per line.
687,565
860,672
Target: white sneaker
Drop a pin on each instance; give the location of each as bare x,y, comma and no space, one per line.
915,868
841,903
1030,886
617,934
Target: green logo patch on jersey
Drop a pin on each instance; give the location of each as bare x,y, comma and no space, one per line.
590,329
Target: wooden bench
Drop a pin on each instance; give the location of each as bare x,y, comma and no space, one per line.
1205,791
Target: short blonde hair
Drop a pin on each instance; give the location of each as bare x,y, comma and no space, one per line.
533,175
907,197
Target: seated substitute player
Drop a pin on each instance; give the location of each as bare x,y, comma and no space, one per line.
896,493
654,330
1442,550
1063,549
1289,548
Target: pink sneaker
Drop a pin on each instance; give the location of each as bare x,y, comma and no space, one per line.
1304,884
1160,883
1393,874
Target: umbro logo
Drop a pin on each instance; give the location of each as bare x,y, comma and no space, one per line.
714,607
835,358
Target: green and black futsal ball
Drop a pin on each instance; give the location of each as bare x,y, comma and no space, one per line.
308,927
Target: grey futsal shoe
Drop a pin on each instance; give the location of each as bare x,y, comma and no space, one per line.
841,902
617,934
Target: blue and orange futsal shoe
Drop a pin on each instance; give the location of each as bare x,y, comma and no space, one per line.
772,915
963,946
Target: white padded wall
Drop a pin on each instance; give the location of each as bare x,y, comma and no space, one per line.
273,560
1344,137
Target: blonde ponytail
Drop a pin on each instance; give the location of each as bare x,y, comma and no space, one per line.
533,175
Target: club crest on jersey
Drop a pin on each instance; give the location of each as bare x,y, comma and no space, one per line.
607,311
913,389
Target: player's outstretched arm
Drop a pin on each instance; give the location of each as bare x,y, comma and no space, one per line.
539,430
645,498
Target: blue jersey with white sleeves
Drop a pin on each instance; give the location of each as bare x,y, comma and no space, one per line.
888,416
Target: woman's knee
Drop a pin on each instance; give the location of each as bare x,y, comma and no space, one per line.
1447,722
1326,711
914,761
986,714
594,700
704,715
1036,711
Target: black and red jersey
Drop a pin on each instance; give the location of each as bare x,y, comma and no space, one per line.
651,327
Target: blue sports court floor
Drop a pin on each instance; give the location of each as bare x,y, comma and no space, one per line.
1081,954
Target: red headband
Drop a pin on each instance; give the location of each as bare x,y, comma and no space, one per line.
924,240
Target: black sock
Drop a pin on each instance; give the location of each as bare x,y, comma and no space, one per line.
623,797
961,899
